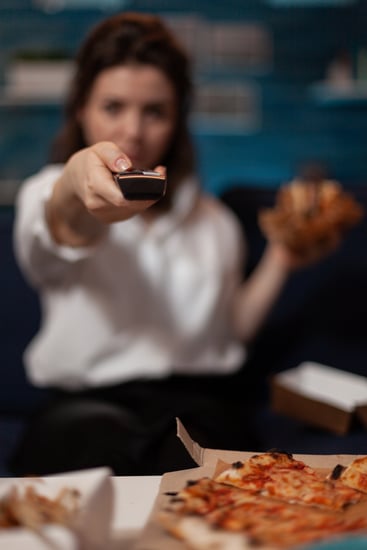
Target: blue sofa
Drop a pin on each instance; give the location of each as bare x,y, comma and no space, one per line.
321,316
19,320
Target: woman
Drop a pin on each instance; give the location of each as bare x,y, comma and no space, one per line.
145,316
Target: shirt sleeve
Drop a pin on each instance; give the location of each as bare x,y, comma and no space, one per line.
39,256
234,245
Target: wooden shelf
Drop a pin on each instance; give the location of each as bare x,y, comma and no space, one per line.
16,97
328,95
23,100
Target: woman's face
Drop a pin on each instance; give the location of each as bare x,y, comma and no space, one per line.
135,107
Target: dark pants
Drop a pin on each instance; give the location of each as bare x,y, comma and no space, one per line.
131,427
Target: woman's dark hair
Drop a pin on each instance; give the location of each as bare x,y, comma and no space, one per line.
124,39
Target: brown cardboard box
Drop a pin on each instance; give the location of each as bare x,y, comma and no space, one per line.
321,396
154,536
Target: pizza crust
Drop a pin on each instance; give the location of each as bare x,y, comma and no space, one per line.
198,535
354,475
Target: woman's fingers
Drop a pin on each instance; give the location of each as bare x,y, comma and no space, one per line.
161,170
112,156
308,256
96,187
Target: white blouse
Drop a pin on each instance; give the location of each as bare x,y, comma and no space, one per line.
145,302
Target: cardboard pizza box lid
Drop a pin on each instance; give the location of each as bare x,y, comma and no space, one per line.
320,395
207,458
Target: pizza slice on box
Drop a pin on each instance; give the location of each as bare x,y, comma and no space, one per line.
269,501
280,476
354,475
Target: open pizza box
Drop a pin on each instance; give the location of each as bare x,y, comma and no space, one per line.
320,395
210,462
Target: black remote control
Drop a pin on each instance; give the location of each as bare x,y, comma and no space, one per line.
141,185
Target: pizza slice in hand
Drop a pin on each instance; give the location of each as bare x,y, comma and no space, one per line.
310,217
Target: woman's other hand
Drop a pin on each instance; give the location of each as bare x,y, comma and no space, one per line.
293,260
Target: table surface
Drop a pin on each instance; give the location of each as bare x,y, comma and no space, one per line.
134,498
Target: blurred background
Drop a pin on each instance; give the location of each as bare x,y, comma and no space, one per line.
280,84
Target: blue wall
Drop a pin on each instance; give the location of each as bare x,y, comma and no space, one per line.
296,127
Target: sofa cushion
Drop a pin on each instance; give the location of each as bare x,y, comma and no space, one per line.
19,320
